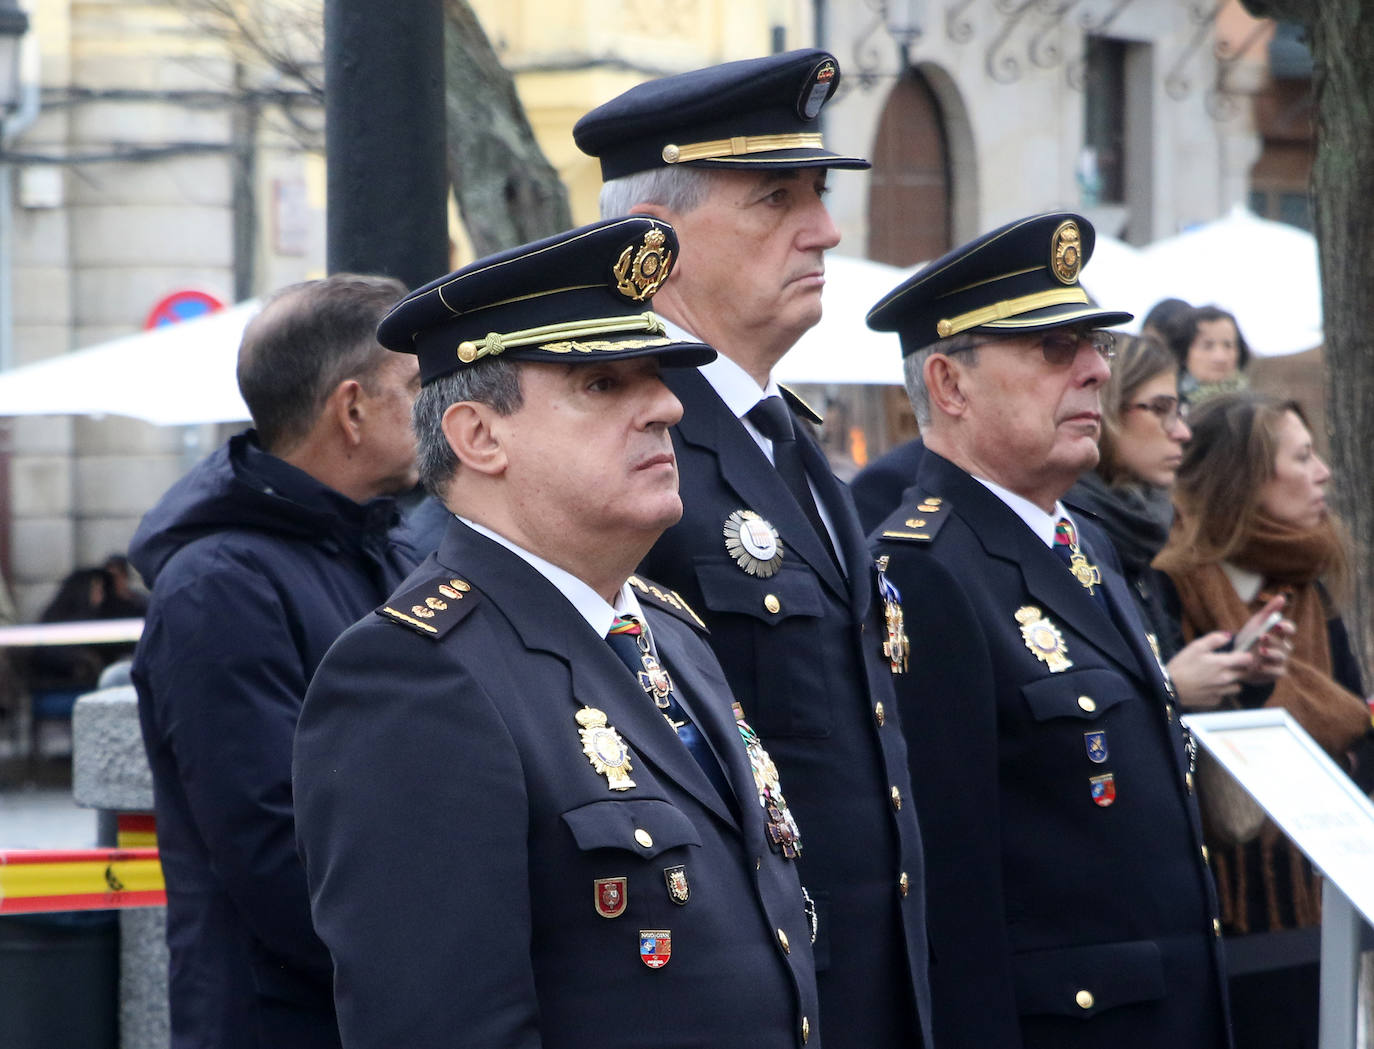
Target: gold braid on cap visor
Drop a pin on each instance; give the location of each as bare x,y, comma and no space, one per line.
740,145
497,343
1009,308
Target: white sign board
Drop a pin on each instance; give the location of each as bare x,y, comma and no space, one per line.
1303,791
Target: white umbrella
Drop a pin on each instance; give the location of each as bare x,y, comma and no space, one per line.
176,375
1118,278
1264,272
842,348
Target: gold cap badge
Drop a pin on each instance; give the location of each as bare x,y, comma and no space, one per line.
1066,252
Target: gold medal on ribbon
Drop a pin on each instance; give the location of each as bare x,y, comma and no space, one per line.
1043,639
604,748
753,543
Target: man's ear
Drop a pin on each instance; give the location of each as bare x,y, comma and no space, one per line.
346,408
944,379
468,428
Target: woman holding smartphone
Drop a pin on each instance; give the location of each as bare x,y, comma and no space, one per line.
1144,430
1252,525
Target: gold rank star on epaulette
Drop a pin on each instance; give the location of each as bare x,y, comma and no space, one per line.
668,600
433,608
918,520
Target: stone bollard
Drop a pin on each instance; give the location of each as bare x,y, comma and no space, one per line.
110,772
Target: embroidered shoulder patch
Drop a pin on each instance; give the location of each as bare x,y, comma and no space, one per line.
917,520
668,600
433,608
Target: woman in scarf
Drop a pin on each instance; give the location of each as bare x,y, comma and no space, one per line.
1253,524
1144,429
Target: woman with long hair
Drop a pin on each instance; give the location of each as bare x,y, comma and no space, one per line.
1253,524
1144,430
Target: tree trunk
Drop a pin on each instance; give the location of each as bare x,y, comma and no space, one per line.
507,191
1342,40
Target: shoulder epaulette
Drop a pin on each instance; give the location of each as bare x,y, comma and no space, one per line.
668,600
433,608
800,406
918,520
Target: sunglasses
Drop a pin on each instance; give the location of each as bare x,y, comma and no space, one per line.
1060,346
1168,410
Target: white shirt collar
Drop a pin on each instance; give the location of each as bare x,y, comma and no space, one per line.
735,386
589,604
1039,522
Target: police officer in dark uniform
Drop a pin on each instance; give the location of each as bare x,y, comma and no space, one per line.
769,549
1053,778
529,811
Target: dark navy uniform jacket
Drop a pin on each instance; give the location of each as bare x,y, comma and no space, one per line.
1071,903
813,681
453,831
255,569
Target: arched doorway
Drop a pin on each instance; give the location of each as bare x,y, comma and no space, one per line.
909,186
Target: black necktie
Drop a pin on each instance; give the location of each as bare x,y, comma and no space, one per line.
628,641
772,418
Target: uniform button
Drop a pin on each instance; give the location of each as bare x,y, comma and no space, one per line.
772,603
1169,712
1087,703
1216,926
806,1029
1084,999
904,884
644,837
896,798
786,945
1206,855
1188,781
880,713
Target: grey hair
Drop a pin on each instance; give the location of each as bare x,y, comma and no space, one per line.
913,371
493,382
679,189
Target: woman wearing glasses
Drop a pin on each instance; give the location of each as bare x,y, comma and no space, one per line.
1253,525
1144,430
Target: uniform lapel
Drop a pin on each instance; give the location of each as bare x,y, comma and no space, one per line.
709,425
546,622
1006,536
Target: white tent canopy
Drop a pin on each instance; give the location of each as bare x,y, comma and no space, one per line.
1264,272
178,374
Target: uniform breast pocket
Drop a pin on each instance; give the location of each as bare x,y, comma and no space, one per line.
1088,980
767,634
1081,694
644,827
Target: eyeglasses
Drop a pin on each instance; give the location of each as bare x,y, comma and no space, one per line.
1060,346
1168,410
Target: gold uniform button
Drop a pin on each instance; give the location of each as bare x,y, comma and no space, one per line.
896,798
904,884
806,1029
880,713
786,944
1188,781
1084,999
1216,926
1206,855
644,837
772,603
1087,704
